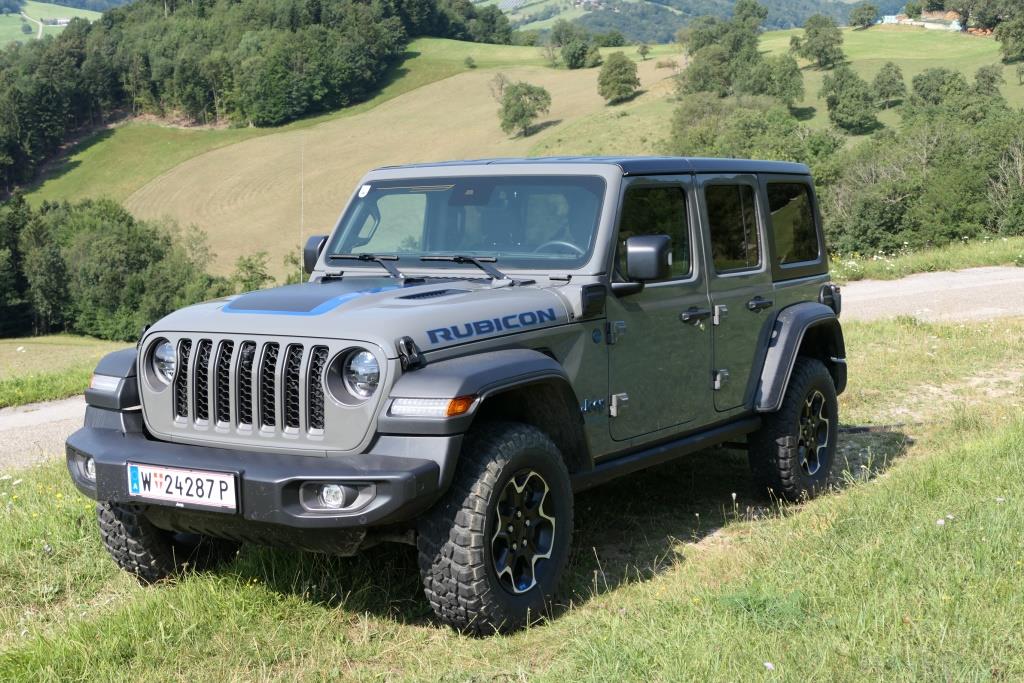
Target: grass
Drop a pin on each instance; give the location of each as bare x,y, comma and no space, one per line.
913,49
999,251
674,581
49,367
10,24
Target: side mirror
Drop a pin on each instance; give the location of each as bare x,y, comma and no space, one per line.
311,252
648,258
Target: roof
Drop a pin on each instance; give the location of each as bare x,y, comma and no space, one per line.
640,165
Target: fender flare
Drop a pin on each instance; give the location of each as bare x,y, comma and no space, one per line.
481,375
122,365
789,330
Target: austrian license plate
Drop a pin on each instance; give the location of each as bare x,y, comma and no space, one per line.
174,485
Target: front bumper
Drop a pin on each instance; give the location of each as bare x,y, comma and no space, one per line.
268,483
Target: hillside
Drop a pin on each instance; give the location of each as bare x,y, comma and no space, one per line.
242,186
10,24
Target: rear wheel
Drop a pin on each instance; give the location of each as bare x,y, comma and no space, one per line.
791,456
492,550
150,553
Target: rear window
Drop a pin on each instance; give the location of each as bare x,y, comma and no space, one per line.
732,219
794,232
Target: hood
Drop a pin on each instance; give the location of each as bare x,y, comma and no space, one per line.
435,312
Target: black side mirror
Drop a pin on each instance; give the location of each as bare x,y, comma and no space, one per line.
648,258
311,252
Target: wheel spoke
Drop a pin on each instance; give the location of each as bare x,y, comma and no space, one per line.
524,532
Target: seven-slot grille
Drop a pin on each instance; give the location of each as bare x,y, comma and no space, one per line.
278,388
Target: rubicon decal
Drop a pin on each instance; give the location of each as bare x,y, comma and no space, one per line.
491,325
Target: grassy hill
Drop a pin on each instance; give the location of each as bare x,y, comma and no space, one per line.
242,186
10,24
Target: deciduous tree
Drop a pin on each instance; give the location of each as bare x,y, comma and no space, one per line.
618,80
521,104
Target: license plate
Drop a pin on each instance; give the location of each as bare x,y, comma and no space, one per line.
175,485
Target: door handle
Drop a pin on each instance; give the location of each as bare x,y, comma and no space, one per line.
694,315
758,304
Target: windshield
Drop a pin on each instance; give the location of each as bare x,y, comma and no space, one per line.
526,222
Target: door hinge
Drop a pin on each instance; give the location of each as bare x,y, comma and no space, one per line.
720,377
721,310
618,403
614,330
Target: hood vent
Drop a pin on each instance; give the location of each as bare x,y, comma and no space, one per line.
434,294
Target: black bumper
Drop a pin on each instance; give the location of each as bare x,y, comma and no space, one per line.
267,483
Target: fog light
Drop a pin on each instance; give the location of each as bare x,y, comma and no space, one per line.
332,496
90,469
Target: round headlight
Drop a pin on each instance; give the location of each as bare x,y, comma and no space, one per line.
361,373
165,361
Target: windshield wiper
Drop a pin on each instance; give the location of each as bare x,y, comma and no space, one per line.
384,260
481,262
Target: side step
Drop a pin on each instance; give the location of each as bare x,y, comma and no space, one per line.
662,453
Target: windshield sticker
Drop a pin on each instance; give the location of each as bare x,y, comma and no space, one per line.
491,325
363,191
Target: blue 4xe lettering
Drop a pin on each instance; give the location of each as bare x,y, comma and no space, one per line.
491,325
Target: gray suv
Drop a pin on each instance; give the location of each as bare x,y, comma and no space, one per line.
477,342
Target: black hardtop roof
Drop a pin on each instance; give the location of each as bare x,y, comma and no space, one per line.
640,165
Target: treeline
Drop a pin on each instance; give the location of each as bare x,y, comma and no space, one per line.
94,269
950,171
94,5
248,62
11,6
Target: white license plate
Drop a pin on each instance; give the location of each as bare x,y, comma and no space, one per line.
174,485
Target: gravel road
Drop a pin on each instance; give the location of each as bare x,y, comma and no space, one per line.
34,433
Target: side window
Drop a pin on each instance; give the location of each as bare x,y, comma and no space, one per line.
732,220
656,211
793,230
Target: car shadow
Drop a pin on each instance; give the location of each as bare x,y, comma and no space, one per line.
629,530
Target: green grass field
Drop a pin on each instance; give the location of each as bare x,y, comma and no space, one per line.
672,579
10,24
999,251
48,367
914,49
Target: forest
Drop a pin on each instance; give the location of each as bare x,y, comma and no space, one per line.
245,62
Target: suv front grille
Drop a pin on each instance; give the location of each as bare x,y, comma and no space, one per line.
252,384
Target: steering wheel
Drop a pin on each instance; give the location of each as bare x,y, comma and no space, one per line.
560,243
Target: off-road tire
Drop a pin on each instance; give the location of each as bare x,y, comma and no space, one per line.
774,450
455,537
150,553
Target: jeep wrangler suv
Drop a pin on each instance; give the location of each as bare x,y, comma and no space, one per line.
477,342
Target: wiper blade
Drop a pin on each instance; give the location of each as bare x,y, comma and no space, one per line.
481,262
384,260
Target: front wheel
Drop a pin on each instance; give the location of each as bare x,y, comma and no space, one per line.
791,456
492,550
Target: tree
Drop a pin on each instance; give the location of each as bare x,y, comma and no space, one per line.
643,50
594,58
46,274
889,85
937,85
821,43
1020,73
618,80
710,70
988,79
1010,35
864,15
469,62
521,103
851,105
779,77
252,272
574,54
25,28
498,85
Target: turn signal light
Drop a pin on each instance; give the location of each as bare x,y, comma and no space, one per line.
460,405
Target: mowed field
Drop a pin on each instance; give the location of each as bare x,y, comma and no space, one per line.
258,203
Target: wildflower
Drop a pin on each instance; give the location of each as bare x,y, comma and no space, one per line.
769,666
16,482
6,477
940,522
734,497
1000,499
949,517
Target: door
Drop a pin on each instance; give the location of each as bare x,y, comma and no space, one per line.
740,284
659,362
